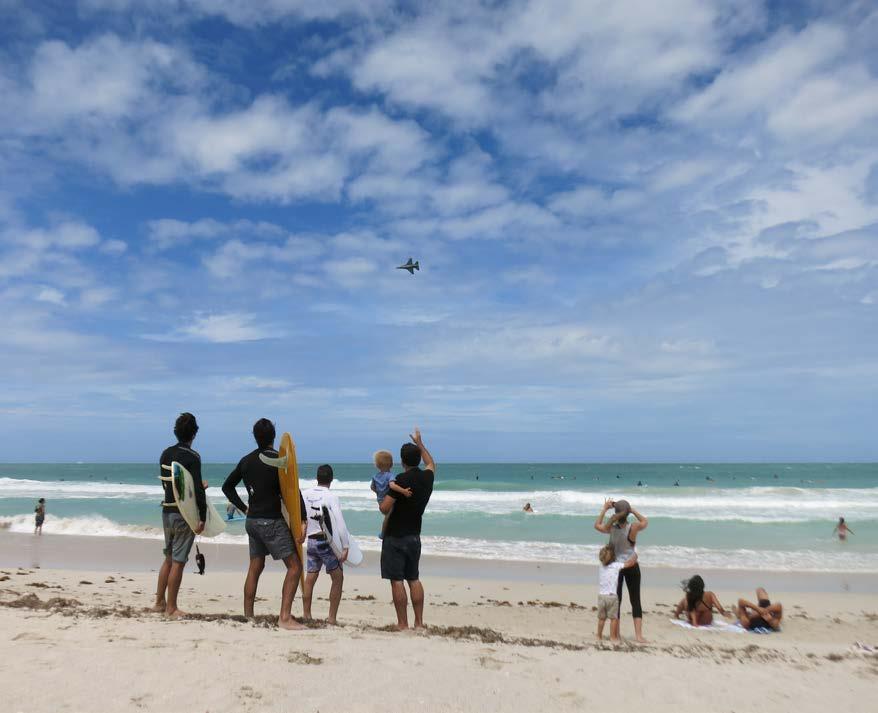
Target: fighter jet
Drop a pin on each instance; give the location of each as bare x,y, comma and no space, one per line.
410,266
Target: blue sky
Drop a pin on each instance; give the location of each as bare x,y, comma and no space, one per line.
648,231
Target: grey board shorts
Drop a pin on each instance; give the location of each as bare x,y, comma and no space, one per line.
178,536
608,606
269,537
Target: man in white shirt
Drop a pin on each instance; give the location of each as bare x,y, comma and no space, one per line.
320,553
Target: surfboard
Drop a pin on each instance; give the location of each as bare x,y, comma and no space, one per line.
333,536
183,485
288,474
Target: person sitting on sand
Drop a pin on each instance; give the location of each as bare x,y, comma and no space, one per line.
763,615
39,516
383,481
320,552
608,583
401,546
698,604
267,531
178,535
842,529
527,508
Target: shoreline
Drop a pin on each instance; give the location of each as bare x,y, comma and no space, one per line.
132,555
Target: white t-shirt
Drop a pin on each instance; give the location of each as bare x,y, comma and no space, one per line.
315,498
608,577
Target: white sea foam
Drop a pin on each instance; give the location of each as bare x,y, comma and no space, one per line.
472,548
756,504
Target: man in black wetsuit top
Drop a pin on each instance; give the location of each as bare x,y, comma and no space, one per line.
266,528
178,535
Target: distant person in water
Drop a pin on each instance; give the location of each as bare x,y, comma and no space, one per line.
40,516
842,529
231,510
698,604
527,508
178,535
676,483
267,531
763,615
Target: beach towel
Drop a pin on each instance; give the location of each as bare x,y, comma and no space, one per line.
723,627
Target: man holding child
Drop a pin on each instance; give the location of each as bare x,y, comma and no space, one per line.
401,546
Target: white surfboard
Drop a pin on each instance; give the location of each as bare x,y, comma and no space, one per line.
183,485
333,535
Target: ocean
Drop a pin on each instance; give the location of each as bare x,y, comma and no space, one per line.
776,517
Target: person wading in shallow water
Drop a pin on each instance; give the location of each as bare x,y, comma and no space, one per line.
623,538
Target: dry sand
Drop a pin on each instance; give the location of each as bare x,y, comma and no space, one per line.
75,639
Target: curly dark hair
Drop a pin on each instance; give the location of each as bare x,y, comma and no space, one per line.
694,589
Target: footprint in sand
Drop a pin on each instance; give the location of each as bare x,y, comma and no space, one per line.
490,663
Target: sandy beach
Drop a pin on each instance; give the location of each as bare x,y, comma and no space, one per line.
74,609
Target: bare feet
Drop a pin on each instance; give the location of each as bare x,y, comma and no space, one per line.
159,607
641,640
176,614
332,622
615,641
290,624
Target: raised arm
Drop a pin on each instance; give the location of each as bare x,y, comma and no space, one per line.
641,524
599,524
429,463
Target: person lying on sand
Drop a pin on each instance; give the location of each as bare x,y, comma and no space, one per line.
698,604
763,615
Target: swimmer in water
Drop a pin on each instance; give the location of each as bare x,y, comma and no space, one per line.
527,508
842,529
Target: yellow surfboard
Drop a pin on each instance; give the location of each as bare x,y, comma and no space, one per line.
289,491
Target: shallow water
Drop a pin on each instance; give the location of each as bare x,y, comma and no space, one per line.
760,516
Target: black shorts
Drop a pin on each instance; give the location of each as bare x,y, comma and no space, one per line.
400,557
269,537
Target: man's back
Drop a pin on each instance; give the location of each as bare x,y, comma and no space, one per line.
191,461
407,514
262,484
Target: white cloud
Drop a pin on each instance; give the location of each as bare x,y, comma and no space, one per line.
219,328
50,295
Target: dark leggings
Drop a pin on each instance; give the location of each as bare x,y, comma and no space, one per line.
631,575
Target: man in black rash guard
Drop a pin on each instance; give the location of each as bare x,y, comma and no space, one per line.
178,535
266,528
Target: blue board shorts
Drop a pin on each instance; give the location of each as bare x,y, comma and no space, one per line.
269,536
320,554
178,536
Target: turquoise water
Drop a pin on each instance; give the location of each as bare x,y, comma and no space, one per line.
764,516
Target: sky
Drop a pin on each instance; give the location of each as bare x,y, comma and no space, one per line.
647,231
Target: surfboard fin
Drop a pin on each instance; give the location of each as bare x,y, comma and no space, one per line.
280,462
